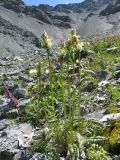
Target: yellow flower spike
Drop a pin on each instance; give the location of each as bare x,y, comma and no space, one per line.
45,34
45,41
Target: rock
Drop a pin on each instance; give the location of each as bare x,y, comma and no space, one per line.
14,137
118,104
97,115
3,134
116,157
100,91
26,78
14,72
19,93
10,84
6,155
4,107
117,67
113,48
102,99
22,104
118,81
104,83
82,155
2,63
38,156
15,78
102,74
110,117
117,74
18,58
2,126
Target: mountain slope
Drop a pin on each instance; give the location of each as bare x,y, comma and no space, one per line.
21,25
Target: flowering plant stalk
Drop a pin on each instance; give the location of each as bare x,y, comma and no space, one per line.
61,50
46,44
70,48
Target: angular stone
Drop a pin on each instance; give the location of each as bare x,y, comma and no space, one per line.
19,93
118,104
110,117
103,83
2,126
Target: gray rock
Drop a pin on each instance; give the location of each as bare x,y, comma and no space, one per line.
2,63
118,104
97,115
38,156
6,155
117,74
118,81
10,84
104,83
14,137
3,134
15,78
4,106
117,68
102,74
101,99
2,126
19,93
110,117
22,104
26,78
116,157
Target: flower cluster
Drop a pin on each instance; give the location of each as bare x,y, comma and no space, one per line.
73,44
45,41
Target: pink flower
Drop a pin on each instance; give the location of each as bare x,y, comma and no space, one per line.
10,96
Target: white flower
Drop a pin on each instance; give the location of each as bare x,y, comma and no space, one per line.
47,71
32,71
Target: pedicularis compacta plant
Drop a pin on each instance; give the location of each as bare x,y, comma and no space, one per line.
55,101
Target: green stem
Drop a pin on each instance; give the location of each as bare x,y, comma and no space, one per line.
68,76
39,75
79,93
50,77
73,106
63,90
